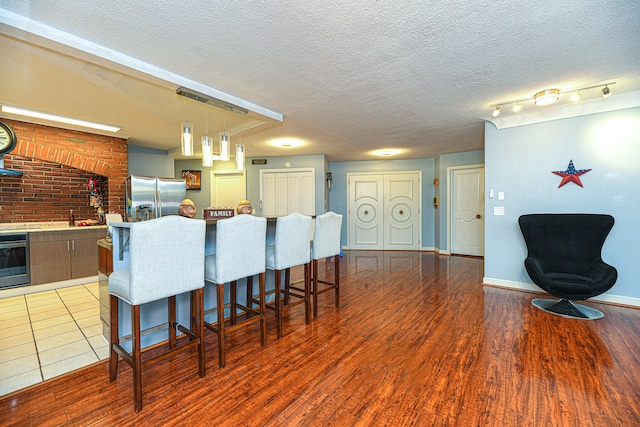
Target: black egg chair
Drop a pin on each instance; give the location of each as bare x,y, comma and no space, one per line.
564,258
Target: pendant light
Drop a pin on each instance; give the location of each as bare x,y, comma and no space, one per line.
240,147
225,145
187,136
207,145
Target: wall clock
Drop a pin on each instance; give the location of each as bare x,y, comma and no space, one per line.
8,139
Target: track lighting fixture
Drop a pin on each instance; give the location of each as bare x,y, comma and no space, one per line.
550,96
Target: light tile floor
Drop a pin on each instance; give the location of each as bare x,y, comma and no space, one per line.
46,334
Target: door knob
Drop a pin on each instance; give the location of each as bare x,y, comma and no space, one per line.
366,212
401,212
478,216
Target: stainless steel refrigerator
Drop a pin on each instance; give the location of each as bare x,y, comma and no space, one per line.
148,197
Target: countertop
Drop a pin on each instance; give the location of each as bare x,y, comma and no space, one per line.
37,227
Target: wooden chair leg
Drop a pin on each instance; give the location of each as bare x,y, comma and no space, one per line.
198,326
263,309
336,278
137,357
172,321
220,310
287,282
233,300
249,295
307,293
314,291
114,334
277,303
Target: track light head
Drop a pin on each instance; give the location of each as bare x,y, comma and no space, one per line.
606,92
496,112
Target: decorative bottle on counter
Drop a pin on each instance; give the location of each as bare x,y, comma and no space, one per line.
72,219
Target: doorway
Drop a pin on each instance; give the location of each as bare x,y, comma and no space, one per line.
466,216
228,188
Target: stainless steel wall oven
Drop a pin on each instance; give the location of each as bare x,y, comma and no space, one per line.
14,260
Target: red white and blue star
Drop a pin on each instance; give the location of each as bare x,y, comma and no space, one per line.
571,174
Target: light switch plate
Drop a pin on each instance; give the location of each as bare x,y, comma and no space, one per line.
498,210
500,195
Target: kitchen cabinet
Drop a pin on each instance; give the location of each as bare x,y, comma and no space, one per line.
55,256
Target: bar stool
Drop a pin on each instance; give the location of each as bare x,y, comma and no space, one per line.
166,259
291,248
325,245
240,253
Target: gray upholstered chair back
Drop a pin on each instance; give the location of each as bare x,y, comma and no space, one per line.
166,257
240,249
291,245
326,237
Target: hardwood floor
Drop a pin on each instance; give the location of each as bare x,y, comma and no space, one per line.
417,341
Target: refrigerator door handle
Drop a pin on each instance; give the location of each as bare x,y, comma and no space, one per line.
158,196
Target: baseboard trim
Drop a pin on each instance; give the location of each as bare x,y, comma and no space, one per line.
24,290
530,287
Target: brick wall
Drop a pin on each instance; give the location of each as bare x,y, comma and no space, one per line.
56,165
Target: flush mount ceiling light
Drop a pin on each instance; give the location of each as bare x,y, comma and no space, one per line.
546,97
386,152
550,96
59,119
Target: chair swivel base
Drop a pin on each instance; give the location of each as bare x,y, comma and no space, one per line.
566,308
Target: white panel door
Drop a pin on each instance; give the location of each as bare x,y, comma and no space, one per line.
227,188
467,231
285,192
366,208
402,211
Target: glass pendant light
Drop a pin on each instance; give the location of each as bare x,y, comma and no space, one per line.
187,136
187,139
207,145
225,145
207,154
240,147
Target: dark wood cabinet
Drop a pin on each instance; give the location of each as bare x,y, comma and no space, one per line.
62,255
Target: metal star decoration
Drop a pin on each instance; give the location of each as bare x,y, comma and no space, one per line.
571,174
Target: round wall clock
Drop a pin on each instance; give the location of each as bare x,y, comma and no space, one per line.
8,139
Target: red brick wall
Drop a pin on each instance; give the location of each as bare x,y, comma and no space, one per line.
56,165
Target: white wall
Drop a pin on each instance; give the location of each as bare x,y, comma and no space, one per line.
519,162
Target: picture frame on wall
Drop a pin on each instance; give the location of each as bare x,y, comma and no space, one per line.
192,178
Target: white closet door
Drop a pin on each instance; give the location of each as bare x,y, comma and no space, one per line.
402,211
285,192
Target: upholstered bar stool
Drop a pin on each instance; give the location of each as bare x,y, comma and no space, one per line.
166,258
290,249
240,253
326,245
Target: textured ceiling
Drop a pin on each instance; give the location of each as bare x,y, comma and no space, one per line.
348,76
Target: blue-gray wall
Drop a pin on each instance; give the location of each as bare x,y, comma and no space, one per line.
519,162
149,162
